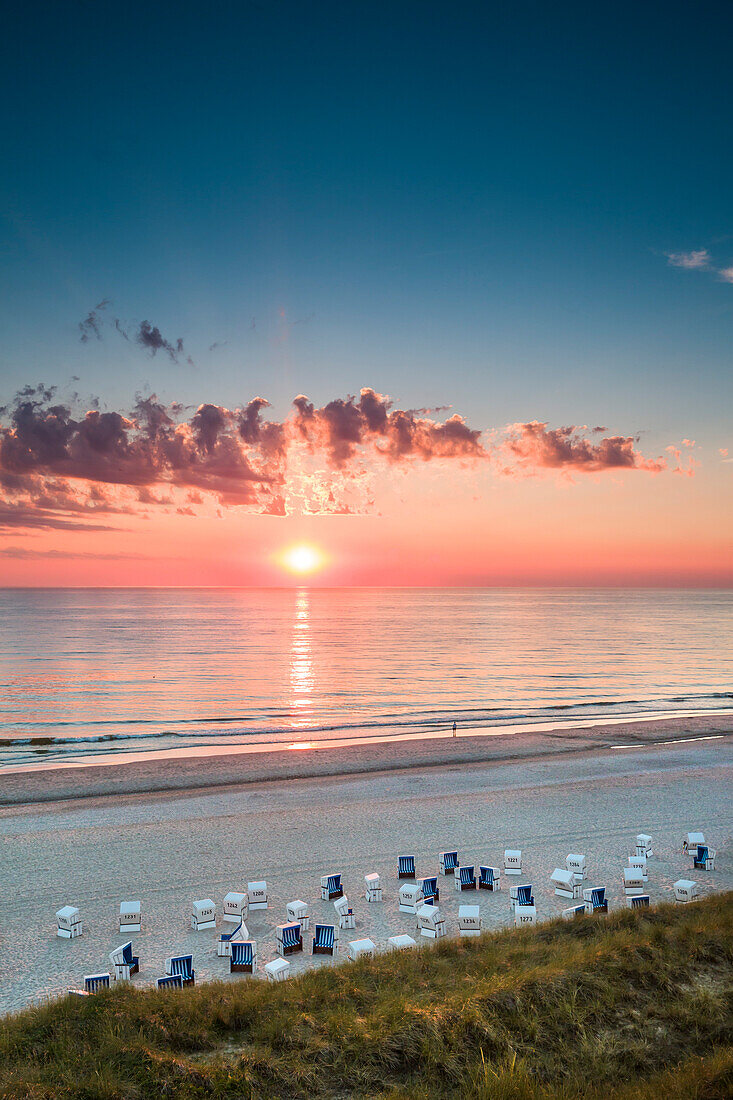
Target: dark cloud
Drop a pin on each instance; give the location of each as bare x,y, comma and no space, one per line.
533,445
22,553
92,323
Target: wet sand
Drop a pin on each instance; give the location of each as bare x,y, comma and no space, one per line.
558,794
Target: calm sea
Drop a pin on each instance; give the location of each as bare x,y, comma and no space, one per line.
86,672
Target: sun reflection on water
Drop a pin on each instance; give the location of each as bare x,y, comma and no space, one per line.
301,662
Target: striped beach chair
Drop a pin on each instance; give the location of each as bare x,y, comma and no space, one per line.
289,939
638,901
94,982
406,867
465,879
489,878
430,891
224,946
181,966
243,958
324,939
125,963
170,981
703,858
521,895
331,887
448,862
573,912
595,900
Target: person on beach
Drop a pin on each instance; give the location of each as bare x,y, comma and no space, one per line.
454,729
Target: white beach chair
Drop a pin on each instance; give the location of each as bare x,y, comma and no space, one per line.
298,911
525,914
130,916
692,841
431,922
68,922
576,863
410,897
331,887
345,913
234,909
595,899
400,943
448,862
644,845
638,901
257,895
640,863
94,982
567,884
204,915
573,912
469,920
289,938
223,947
360,949
633,881
512,861
373,887
703,858
277,970
124,962
685,890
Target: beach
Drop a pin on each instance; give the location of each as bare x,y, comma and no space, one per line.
168,831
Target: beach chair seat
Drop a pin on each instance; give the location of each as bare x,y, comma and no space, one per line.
640,862
77,993
633,881
224,945
430,890
410,897
331,887
489,878
465,879
637,901
644,845
686,890
372,887
346,918
277,970
575,862
520,895
406,867
257,894
181,966
692,841
400,943
324,940
512,861
125,963
573,912
448,861
68,922
243,957
567,884
360,949
203,915
170,981
289,938
235,906
469,920
595,899
525,914
430,922
703,858
94,982
130,916
298,911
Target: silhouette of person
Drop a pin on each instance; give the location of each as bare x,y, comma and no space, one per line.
454,729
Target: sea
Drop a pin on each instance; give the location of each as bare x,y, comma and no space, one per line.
88,674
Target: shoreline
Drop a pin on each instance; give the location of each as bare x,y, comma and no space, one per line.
208,768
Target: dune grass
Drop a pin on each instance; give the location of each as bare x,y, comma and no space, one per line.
636,1004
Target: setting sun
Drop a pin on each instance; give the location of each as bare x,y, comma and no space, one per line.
302,559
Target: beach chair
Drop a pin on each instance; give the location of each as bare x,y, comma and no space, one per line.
373,887
331,887
170,981
400,943
77,992
431,922
448,862
346,918
289,939
576,863
633,881
489,878
181,966
360,949
125,963
644,845
94,982
430,891
234,909
130,916
693,841
520,895
640,863
465,879
406,867
512,861
685,890
469,920
638,901
324,940
410,897
257,894
277,970
224,945
298,911
525,914
573,912
595,899
68,922
703,858
567,884
243,959
204,915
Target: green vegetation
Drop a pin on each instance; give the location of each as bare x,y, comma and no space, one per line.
636,1004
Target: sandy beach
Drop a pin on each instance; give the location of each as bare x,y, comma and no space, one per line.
173,832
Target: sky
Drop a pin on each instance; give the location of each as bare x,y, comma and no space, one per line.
476,260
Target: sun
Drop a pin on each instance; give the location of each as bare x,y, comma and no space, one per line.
302,559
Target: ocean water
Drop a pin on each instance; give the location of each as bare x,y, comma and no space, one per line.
106,671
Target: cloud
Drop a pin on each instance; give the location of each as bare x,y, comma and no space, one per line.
535,446
92,323
145,334
726,274
22,553
150,337
697,260
24,516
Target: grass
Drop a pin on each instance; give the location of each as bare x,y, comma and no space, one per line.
636,1004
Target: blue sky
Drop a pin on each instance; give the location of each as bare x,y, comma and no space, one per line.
456,204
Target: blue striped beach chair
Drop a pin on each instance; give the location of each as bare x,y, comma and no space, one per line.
170,981
430,891
181,965
405,867
573,912
124,962
489,878
324,938
704,858
448,862
290,939
331,887
638,901
94,982
465,879
524,895
243,957
595,900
